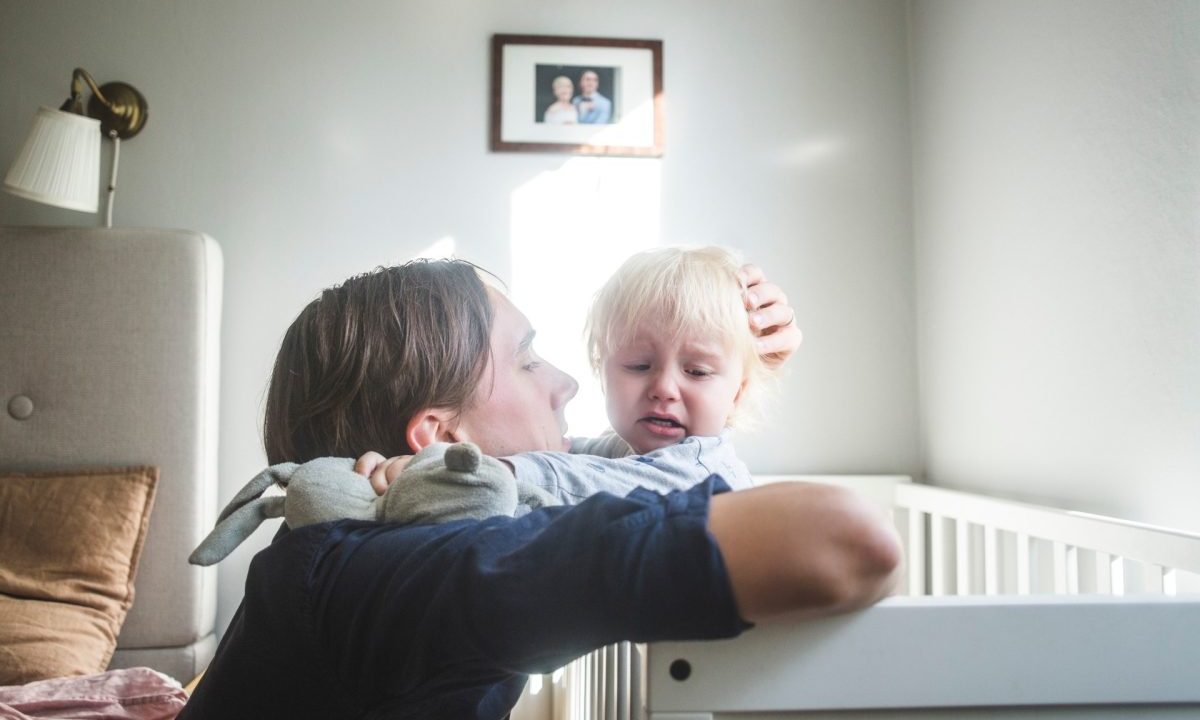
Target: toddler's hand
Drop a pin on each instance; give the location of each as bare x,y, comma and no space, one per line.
771,318
380,470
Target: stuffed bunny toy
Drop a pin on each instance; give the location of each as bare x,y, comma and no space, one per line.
443,482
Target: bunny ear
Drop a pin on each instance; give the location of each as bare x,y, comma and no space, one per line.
276,474
234,528
463,457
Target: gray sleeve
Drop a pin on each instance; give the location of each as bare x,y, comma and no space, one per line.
608,445
571,478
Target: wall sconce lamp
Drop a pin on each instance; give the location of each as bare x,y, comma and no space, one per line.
59,164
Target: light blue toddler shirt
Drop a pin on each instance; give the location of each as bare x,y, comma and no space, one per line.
603,465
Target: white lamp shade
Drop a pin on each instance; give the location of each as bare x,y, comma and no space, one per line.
59,164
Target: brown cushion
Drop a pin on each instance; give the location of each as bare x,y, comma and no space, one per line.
69,548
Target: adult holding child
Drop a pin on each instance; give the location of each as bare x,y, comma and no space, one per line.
354,618
668,336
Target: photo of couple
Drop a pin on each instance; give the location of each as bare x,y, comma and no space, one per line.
577,95
569,95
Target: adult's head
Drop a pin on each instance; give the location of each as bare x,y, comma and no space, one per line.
563,88
589,82
401,357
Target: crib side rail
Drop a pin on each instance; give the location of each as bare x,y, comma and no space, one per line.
924,653
962,543
956,543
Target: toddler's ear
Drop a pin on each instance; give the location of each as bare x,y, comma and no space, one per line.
737,399
429,426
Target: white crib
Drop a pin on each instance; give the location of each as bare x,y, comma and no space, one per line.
1007,610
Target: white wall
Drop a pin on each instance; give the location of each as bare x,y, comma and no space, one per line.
314,140
1057,221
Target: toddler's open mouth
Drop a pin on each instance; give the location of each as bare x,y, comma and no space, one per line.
665,427
662,422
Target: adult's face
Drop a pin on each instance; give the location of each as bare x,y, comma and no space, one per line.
519,405
588,82
564,89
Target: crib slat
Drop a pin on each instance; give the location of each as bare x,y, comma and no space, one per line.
593,695
991,560
602,682
598,684
1116,573
1170,582
585,695
1110,574
571,685
598,695
585,698
610,683
1060,568
1072,561
579,688
937,554
962,557
1103,570
637,686
1024,552
624,668
915,557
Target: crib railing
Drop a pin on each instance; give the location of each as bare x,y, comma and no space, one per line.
937,648
965,544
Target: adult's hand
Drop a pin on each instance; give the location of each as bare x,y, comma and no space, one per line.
801,547
381,471
771,318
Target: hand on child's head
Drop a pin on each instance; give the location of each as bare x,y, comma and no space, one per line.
771,317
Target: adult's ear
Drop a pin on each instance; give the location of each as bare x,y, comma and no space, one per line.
429,426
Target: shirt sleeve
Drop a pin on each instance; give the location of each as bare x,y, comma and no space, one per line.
527,594
571,477
608,445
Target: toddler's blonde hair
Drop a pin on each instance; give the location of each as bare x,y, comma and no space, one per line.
683,291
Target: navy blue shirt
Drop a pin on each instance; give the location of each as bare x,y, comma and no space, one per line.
359,619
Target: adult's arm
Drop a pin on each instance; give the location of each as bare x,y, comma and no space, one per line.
802,547
531,593
524,594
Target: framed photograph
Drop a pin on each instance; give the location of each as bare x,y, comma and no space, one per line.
577,95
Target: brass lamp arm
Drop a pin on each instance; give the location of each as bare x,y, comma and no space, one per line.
75,102
119,107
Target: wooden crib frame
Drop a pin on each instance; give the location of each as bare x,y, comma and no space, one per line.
1007,610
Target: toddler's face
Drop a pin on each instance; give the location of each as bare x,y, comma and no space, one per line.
658,392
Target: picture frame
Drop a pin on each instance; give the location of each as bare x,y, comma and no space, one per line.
577,95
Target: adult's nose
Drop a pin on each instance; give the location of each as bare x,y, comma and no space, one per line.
566,388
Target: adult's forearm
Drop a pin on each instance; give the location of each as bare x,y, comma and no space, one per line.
801,547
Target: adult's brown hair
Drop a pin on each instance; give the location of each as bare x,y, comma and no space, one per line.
368,354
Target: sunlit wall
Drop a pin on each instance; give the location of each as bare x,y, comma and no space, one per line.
571,228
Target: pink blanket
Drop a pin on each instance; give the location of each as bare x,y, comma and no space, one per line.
133,694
